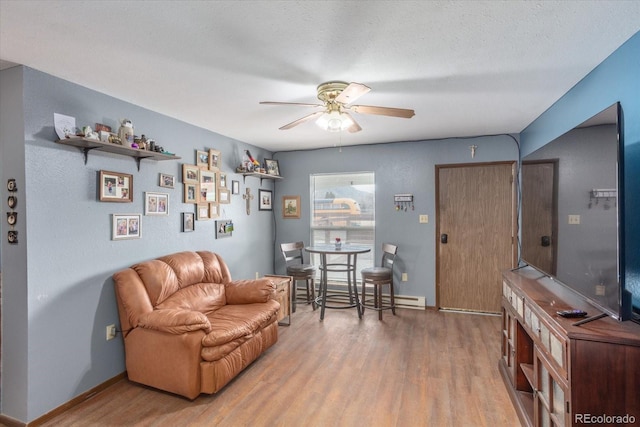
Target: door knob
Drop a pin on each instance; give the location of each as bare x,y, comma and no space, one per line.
444,238
545,241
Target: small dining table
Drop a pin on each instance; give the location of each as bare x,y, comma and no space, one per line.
349,266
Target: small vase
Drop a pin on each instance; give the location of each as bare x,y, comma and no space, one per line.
338,245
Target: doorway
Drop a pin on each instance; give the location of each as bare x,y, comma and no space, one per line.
539,214
476,231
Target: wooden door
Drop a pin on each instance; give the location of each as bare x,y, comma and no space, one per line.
475,234
539,218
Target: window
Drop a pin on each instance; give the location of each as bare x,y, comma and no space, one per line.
343,205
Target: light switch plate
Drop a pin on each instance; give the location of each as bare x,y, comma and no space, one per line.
574,219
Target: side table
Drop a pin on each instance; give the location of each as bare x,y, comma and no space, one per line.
283,296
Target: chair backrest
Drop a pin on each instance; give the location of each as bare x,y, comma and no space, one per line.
389,252
292,252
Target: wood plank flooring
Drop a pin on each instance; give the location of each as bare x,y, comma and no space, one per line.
418,368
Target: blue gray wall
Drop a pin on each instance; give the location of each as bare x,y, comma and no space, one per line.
402,167
615,79
58,295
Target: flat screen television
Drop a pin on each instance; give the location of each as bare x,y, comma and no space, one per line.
571,212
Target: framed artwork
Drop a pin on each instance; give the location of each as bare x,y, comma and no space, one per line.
190,193
291,207
208,187
125,226
115,187
215,160
167,181
222,180
224,228
224,195
235,187
273,168
190,174
264,200
156,203
214,210
188,219
202,211
202,159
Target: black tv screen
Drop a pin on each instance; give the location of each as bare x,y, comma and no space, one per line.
571,212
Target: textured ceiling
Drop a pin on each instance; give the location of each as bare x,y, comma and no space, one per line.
467,68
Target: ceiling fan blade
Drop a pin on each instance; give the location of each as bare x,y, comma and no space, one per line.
299,104
383,111
302,120
355,127
352,92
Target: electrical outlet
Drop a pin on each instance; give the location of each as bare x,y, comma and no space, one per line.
111,332
424,219
574,219
405,277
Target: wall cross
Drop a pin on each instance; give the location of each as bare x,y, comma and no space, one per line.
248,197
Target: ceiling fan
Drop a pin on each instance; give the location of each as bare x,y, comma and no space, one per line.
336,97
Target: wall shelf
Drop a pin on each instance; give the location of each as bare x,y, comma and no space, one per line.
86,145
260,175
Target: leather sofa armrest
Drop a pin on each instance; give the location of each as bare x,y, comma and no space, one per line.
249,291
175,321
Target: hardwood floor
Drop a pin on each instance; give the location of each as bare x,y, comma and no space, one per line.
418,368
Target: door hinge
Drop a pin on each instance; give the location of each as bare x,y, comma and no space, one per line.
568,411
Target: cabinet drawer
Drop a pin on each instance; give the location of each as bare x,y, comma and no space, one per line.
555,345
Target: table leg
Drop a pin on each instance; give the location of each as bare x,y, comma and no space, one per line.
355,285
323,283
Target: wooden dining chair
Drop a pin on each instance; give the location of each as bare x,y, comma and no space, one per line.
378,277
296,267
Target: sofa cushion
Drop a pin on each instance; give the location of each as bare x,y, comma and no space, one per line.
202,297
233,322
158,278
187,266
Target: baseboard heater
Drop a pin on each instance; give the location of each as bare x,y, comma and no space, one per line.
402,301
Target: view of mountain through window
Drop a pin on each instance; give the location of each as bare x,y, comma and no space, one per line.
343,205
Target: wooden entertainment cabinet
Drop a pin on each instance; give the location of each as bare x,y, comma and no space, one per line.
559,374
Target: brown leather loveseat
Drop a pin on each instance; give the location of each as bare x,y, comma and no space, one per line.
188,328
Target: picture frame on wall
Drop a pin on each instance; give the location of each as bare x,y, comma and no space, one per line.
188,220
156,203
125,226
264,200
190,174
222,180
202,211
208,186
224,196
191,193
214,210
202,159
115,187
272,166
235,187
215,159
291,207
167,181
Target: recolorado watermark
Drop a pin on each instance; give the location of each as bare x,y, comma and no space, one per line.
604,419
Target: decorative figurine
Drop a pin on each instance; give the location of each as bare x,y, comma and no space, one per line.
125,133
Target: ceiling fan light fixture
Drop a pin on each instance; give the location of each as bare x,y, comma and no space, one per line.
334,121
